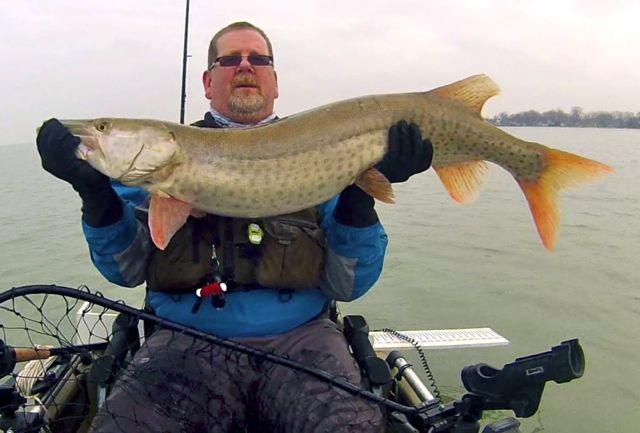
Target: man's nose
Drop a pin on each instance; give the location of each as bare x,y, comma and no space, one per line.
245,65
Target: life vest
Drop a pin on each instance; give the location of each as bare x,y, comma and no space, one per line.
282,252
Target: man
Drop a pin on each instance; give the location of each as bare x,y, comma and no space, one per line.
335,252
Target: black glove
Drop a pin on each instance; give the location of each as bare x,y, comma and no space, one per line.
407,154
355,208
56,145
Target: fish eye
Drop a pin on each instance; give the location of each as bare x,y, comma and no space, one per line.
102,126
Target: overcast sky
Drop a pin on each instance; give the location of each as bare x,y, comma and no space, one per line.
85,59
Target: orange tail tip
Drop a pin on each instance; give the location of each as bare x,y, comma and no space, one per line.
376,185
563,170
166,216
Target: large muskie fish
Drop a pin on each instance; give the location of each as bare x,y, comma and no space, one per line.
307,158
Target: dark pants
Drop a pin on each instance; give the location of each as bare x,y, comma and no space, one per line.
180,384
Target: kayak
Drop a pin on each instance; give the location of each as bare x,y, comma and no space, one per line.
61,350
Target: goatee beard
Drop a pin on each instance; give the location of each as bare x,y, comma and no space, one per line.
245,106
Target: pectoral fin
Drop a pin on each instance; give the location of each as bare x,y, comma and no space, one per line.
166,216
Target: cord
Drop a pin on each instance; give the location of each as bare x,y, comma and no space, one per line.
421,355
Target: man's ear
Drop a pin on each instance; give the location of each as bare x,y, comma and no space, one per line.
206,82
275,75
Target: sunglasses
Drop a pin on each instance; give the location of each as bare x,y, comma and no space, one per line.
254,60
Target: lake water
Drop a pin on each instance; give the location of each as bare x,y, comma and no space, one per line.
447,266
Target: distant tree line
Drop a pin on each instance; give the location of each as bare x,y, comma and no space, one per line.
576,118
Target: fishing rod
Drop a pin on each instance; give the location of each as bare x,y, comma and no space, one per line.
10,356
183,96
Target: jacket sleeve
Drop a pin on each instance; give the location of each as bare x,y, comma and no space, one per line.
354,256
121,250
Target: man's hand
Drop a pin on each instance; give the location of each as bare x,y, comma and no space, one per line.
56,145
407,154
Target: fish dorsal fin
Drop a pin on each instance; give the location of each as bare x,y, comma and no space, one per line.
376,185
463,181
472,92
166,216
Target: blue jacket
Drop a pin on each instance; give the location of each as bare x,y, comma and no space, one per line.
354,259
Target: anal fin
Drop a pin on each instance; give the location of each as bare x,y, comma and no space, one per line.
463,181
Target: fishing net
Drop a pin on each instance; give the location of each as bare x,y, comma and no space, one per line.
174,380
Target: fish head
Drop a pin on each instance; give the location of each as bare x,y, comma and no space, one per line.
131,151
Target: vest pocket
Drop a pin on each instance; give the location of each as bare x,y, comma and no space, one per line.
292,254
184,264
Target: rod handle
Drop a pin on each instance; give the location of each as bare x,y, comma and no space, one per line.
29,354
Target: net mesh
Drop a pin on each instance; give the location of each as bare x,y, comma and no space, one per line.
174,380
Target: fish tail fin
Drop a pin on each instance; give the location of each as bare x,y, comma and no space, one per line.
562,170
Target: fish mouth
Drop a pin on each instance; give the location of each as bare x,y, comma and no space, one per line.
79,128
84,130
